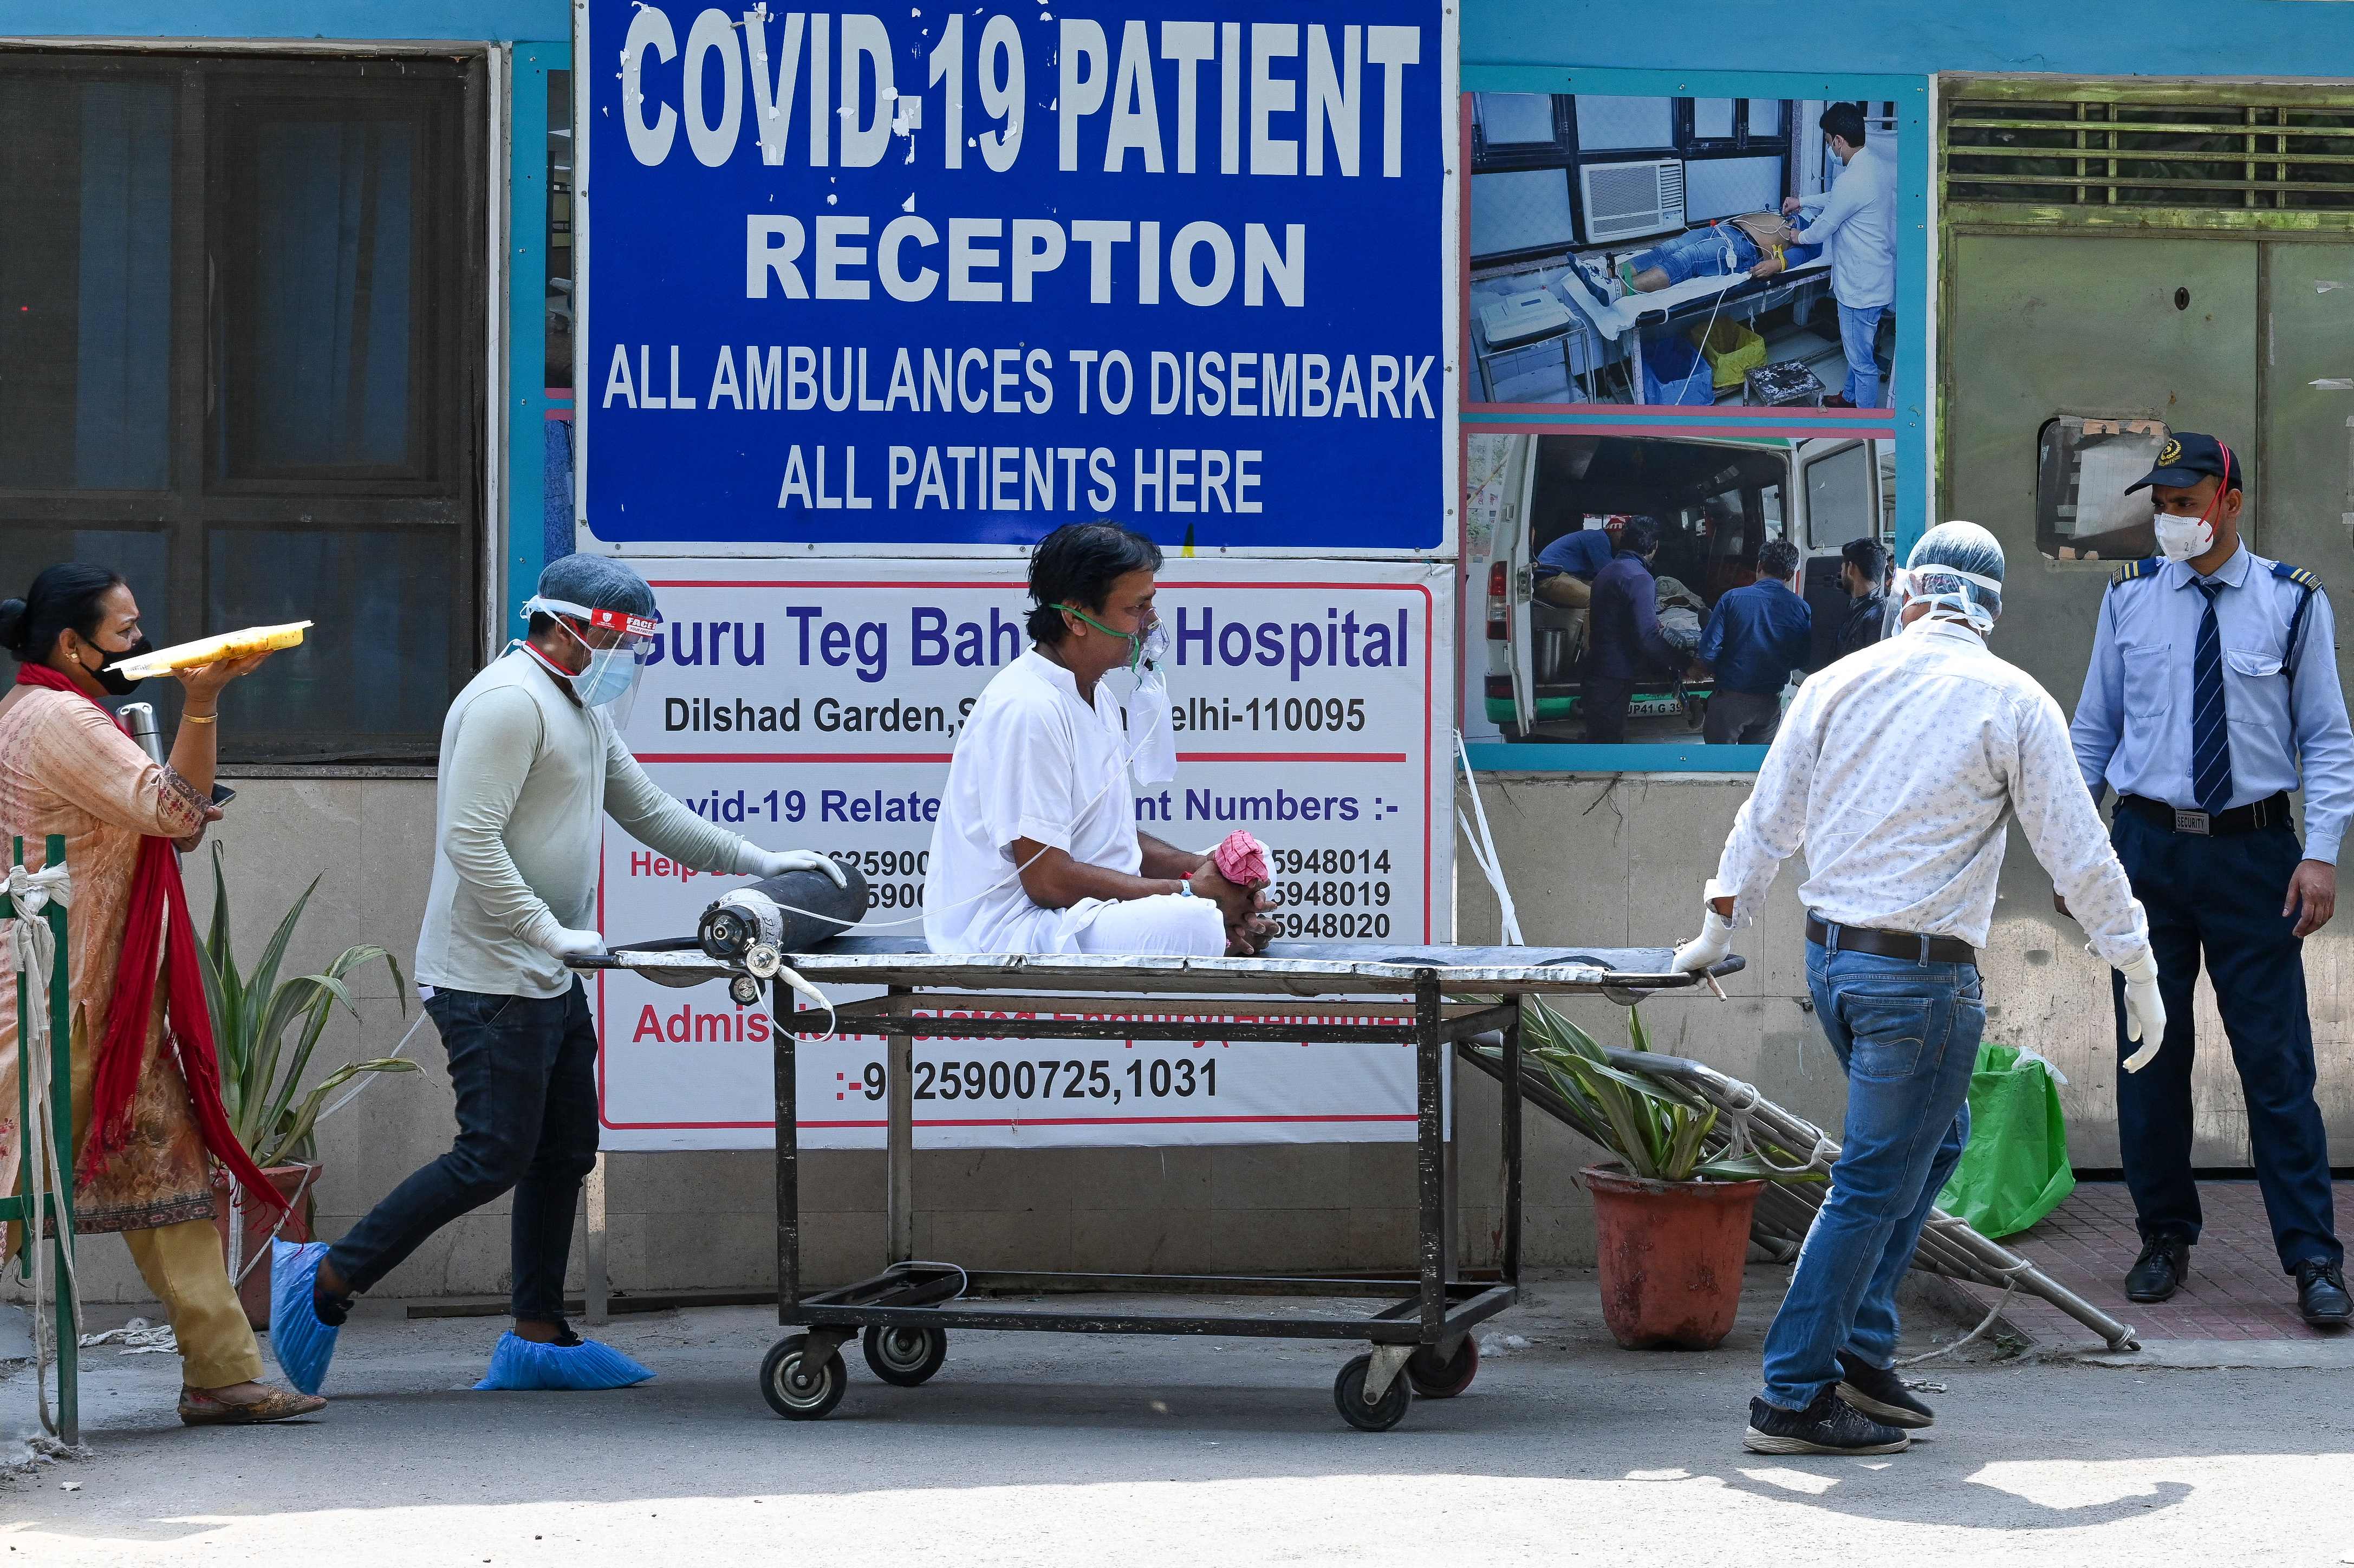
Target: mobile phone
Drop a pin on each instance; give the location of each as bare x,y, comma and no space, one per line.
223,794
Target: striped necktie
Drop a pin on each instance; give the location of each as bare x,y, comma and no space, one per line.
2211,730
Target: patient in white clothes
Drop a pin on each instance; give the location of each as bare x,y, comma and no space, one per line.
1036,848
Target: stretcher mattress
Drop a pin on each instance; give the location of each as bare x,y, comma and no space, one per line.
1612,320
1296,968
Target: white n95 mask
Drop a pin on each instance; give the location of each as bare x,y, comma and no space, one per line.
2184,539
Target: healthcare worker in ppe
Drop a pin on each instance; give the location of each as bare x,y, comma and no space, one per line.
1036,848
1894,771
2212,692
532,763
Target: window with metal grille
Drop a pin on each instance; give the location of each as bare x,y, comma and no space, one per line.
240,311
2176,152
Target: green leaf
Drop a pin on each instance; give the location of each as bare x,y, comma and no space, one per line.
264,985
261,1075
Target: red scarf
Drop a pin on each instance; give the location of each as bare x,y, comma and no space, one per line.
159,914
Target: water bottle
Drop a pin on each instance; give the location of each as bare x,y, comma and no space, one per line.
139,718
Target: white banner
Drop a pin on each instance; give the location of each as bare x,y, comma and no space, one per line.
816,706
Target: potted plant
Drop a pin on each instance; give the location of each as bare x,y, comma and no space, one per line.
1673,1212
261,1076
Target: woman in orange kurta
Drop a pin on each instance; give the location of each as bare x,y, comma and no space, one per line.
66,767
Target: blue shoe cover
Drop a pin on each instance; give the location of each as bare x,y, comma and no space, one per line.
521,1364
302,1344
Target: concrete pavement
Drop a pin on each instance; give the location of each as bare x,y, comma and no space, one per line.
1036,1449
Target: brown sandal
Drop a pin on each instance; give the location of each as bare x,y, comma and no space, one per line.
198,1408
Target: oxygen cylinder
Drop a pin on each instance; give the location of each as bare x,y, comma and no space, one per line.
769,914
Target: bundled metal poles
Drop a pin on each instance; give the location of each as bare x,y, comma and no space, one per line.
1948,1246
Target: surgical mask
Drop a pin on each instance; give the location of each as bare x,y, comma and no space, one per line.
611,676
2188,538
109,674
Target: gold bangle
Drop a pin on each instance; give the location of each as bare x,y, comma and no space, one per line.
200,718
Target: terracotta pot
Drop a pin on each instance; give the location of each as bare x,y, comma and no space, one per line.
253,1292
1670,1257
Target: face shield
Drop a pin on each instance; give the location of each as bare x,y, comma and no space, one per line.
619,646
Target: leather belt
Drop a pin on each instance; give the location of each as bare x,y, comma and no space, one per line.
2247,818
1890,944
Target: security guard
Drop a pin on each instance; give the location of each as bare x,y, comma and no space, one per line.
2212,692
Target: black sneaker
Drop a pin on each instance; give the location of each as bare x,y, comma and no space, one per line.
2321,1298
1829,1426
1880,1393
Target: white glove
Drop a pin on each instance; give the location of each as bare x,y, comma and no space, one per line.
765,863
569,944
1715,940
2144,1010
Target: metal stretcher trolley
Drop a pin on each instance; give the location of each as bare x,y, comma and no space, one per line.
1324,992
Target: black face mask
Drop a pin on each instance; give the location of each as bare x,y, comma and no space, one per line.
115,682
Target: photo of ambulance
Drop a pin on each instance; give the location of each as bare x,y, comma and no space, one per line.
1716,500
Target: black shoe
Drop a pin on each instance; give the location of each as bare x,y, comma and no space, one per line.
2160,1271
2321,1295
1829,1426
1880,1393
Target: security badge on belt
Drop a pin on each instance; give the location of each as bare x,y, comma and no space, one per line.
2191,822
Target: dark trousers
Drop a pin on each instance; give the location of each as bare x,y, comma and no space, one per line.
1741,718
526,1075
2223,896
1605,703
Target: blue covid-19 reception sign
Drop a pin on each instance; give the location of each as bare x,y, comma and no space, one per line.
954,277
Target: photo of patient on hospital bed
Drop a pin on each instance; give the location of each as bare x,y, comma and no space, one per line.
1757,245
1681,251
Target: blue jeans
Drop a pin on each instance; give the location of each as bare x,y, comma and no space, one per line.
1858,329
526,1075
1907,1034
1700,254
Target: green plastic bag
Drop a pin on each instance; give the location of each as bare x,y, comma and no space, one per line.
2015,1170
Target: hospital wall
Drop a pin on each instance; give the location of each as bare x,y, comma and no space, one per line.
1597,858
1621,857
1616,857
708,1221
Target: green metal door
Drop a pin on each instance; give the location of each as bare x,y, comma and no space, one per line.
2046,326
2302,479
2135,250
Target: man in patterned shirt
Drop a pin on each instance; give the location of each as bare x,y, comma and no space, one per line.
1895,770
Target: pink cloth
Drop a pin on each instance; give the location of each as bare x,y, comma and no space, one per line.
1241,860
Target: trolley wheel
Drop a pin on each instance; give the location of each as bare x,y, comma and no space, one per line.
1435,1379
796,1391
905,1356
1349,1394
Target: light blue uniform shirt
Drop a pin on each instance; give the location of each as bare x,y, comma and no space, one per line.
2132,730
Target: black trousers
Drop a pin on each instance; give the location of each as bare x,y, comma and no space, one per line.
525,1073
2220,898
1741,718
1605,703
